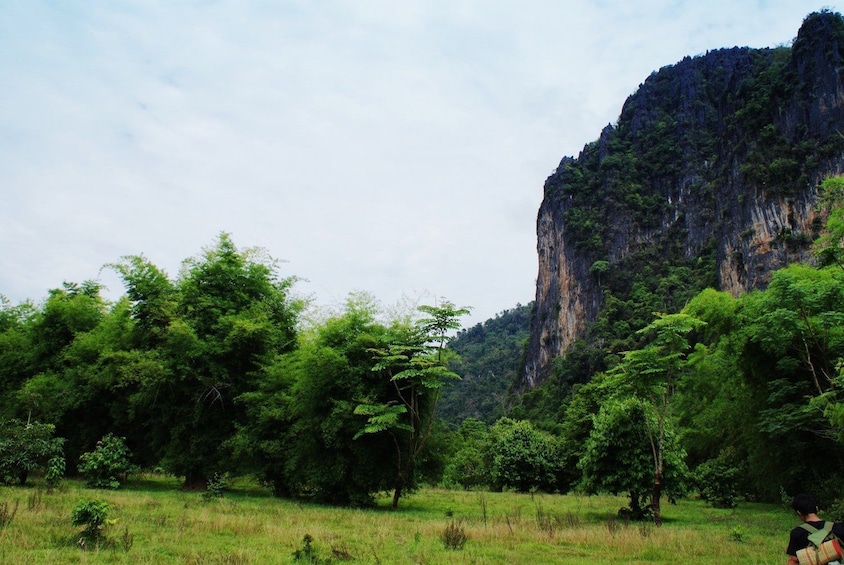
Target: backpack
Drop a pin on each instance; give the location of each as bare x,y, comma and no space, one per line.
824,547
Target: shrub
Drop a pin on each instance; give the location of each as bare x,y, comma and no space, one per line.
523,458
216,486
55,473
466,469
92,514
108,465
306,553
25,447
717,481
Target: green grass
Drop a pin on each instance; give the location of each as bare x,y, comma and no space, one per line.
157,523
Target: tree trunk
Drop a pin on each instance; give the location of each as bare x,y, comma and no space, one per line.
397,492
195,480
656,494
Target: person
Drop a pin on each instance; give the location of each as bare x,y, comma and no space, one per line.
807,511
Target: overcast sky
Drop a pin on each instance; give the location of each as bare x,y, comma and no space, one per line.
396,147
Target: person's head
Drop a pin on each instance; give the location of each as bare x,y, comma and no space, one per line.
804,504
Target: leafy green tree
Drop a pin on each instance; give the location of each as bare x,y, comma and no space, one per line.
298,435
714,407
153,297
25,447
522,457
618,456
599,268
650,375
416,367
233,316
799,323
70,380
791,348
73,310
16,362
576,427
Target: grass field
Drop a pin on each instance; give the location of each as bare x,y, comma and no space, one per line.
157,523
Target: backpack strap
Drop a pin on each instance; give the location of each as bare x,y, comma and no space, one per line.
816,535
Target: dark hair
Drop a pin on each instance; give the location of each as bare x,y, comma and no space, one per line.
804,504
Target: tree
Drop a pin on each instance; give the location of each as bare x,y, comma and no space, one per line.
300,429
15,355
71,379
799,323
576,426
522,457
233,316
468,465
619,456
416,367
153,298
25,447
650,376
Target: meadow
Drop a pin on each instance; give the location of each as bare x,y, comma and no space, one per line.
155,522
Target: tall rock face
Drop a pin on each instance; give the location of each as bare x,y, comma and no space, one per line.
709,178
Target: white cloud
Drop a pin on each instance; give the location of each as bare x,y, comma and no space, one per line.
376,145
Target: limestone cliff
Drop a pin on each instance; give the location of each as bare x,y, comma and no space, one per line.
709,178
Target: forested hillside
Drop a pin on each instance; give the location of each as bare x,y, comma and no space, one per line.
490,356
711,178
708,179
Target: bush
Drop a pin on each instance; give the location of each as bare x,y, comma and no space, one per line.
307,553
24,448
92,514
467,469
108,465
717,481
55,473
216,486
523,457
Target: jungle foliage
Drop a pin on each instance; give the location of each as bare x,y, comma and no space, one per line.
215,372
744,391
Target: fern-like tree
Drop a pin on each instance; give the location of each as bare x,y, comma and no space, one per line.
649,375
618,456
416,367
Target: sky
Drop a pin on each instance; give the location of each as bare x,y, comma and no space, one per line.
393,147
